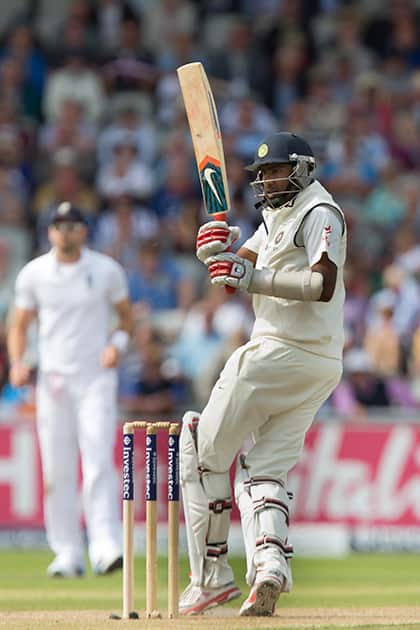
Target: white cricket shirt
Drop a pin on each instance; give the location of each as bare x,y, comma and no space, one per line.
292,239
74,307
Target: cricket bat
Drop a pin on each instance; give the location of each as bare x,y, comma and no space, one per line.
207,140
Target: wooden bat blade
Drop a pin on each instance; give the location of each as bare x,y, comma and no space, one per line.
207,140
206,137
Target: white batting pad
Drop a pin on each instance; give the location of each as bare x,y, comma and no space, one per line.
207,505
264,507
195,502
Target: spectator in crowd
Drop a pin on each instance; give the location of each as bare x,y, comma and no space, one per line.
289,84
245,67
348,169
132,65
74,34
363,390
360,389
126,173
384,206
381,342
176,188
12,85
155,392
108,16
157,282
373,100
7,278
74,80
180,48
168,16
341,68
347,38
72,129
404,37
407,305
65,183
212,329
357,303
325,117
247,120
13,186
405,138
198,350
130,118
405,247
121,227
21,47
4,359
414,366
182,229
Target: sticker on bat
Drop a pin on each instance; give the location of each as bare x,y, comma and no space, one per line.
213,187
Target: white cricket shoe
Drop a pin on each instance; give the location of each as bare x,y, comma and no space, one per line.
196,599
263,596
108,564
62,568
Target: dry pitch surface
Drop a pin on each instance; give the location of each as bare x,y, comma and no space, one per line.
225,619
362,591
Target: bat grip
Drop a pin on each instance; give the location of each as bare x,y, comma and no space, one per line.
221,216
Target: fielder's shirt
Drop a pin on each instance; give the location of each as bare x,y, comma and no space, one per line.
74,303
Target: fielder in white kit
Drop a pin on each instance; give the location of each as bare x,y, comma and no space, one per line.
73,292
271,387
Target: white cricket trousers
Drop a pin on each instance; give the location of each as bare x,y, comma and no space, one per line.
77,413
271,390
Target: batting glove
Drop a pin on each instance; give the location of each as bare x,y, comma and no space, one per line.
231,270
215,237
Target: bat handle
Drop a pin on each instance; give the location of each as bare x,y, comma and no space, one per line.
221,216
229,289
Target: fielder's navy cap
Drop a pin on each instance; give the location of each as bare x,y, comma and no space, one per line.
66,212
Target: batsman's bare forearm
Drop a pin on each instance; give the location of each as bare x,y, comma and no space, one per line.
17,337
243,252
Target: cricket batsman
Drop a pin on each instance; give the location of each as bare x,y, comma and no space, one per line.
271,387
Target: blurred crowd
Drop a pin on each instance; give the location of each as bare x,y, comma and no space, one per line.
91,113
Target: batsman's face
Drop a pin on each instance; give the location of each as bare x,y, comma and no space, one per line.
67,236
275,178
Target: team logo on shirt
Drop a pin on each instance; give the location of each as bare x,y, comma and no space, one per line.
326,234
278,237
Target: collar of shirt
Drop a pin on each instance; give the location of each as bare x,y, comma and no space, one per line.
83,264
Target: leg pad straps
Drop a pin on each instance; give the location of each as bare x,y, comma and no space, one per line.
268,541
215,550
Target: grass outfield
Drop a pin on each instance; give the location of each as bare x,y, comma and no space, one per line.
327,594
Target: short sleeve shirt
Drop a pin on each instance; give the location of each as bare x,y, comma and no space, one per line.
74,303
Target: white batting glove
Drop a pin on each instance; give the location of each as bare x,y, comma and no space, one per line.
231,270
215,237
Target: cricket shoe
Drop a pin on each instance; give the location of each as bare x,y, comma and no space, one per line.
107,565
62,568
263,596
196,599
